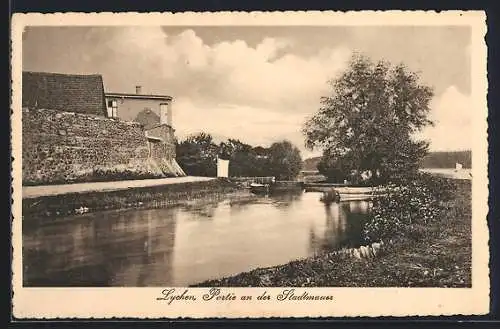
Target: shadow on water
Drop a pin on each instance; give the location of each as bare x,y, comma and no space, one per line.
187,244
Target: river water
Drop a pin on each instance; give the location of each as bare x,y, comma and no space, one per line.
187,244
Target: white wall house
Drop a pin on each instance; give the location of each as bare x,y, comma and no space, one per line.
127,106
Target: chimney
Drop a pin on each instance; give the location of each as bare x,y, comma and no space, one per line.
169,115
166,113
138,89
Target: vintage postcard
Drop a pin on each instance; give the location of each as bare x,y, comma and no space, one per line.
233,165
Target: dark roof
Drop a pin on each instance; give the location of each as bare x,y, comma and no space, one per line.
64,92
139,96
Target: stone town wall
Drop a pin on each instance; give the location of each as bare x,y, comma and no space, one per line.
62,147
165,149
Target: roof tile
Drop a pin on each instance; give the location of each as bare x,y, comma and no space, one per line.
64,92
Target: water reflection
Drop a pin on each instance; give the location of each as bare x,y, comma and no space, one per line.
286,200
343,227
109,249
185,245
202,210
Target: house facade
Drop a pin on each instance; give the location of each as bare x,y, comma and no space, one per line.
127,106
154,112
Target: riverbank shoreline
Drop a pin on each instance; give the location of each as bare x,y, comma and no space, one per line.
109,186
436,255
52,206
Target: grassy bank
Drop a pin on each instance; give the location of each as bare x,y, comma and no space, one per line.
434,255
51,207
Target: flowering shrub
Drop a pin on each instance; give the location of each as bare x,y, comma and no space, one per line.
402,207
440,187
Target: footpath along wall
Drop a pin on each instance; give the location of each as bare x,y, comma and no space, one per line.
62,147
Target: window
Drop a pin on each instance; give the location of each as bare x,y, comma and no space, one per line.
112,106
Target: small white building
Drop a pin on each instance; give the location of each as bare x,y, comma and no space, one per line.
222,168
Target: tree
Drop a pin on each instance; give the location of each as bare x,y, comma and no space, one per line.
285,161
197,155
260,151
332,168
242,159
232,146
369,120
148,118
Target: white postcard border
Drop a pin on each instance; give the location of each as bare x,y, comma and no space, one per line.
141,302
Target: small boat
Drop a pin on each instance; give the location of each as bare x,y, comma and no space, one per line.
259,188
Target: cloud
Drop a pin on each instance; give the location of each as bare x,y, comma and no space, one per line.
258,94
452,115
268,74
253,125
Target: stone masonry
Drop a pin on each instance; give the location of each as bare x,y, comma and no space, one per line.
63,147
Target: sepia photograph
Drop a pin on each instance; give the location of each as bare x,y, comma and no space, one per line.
223,156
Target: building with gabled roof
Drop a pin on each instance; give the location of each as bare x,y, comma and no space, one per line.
74,131
64,92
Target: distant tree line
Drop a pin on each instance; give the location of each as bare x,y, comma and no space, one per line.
447,159
440,159
198,154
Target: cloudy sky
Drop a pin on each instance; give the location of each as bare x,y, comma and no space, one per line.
258,84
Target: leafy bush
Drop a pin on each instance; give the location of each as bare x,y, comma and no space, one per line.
139,169
402,209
